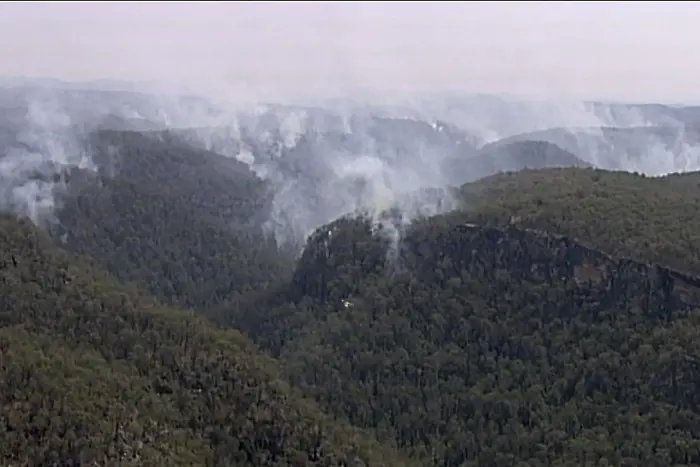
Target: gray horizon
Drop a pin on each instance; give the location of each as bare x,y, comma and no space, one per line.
623,51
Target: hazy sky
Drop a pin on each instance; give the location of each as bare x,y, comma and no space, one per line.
618,50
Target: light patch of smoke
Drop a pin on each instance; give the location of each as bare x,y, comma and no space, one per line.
330,182
45,144
292,127
653,139
51,137
372,179
676,153
336,181
491,118
246,157
651,150
48,142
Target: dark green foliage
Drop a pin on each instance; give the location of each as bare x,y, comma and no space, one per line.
92,375
554,322
506,346
182,223
493,347
655,219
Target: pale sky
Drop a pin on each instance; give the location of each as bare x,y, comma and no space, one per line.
616,50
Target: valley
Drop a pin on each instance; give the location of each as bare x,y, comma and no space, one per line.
312,287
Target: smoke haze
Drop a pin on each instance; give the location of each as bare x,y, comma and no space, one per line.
382,107
638,51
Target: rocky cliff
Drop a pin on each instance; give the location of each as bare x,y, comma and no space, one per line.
340,257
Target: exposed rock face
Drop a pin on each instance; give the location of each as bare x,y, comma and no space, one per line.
537,256
340,256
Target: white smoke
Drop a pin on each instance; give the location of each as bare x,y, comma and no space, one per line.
45,132
317,176
44,145
328,181
334,159
652,139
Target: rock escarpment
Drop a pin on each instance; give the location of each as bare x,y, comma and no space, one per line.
341,256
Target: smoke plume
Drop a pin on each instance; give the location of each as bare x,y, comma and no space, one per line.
392,160
38,147
331,160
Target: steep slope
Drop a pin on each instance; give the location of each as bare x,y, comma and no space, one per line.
186,223
323,164
183,223
494,346
488,345
92,375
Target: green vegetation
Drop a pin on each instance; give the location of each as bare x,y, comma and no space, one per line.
653,219
495,347
92,375
553,322
492,349
183,224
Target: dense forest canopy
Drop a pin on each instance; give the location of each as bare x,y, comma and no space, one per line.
647,218
546,313
92,374
445,353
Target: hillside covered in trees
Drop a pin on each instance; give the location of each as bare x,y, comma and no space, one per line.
551,321
506,345
182,223
93,375
647,218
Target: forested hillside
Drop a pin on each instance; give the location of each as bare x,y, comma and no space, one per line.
184,224
648,218
93,375
494,346
486,346
551,321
